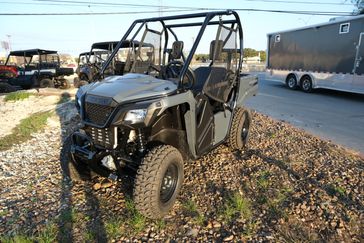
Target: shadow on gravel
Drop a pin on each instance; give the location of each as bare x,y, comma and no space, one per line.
71,217
329,189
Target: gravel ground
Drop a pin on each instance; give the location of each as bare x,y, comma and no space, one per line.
287,186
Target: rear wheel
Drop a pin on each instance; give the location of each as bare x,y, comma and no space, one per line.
158,181
240,127
65,84
6,88
291,82
306,84
46,83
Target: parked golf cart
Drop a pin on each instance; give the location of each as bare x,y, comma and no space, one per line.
164,112
90,63
34,68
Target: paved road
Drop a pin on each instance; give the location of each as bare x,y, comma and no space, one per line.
336,116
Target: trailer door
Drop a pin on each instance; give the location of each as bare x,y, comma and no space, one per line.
358,82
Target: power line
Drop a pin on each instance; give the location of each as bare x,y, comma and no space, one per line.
181,10
93,13
172,9
115,4
300,2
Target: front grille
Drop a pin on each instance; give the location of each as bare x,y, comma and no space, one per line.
104,137
97,114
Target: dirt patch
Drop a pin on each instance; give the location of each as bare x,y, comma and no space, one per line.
14,112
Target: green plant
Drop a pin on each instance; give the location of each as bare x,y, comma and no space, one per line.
25,129
15,96
65,97
113,227
190,208
16,239
135,219
48,234
263,180
160,224
89,236
236,206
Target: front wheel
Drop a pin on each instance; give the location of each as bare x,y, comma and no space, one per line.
46,83
73,168
240,127
158,181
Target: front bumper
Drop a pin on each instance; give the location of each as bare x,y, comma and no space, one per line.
83,150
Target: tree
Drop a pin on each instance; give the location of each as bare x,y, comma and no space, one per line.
263,56
249,52
359,4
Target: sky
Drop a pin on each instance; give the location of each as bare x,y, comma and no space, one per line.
75,34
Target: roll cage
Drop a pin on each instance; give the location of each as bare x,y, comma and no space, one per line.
168,30
42,54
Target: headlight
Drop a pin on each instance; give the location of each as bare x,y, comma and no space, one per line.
79,102
136,115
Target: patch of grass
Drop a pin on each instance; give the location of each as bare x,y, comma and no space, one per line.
263,180
275,204
25,129
250,229
16,96
89,236
65,97
190,208
333,190
135,219
16,239
160,224
48,234
67,216
4,212
295,231
236,206
113,227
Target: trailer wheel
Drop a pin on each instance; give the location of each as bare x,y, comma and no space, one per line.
291,82
306,84
46,83
158,181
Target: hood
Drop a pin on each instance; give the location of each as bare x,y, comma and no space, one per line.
131,86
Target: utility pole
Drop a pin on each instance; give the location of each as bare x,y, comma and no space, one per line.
160,8
9,42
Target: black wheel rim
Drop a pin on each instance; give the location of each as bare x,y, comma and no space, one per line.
245,130
169,183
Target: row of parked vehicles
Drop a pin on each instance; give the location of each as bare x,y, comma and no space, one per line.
33,68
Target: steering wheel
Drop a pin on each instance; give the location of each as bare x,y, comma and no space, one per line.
173,70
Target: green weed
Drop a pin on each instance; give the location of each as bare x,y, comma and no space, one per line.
16,96
25,129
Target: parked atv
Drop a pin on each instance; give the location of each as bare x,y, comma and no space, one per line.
34,68
163,112
90,63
